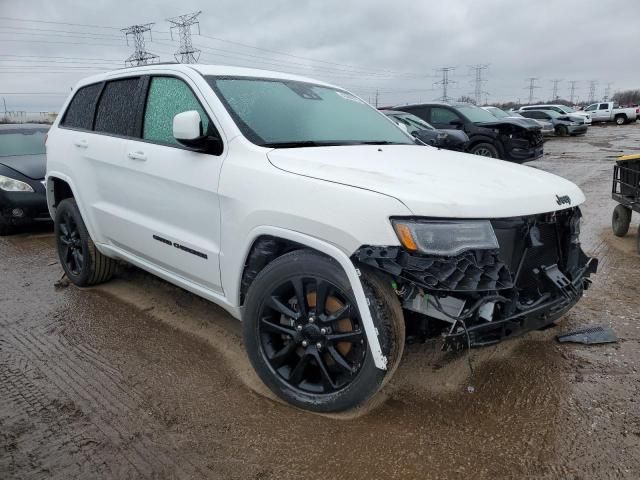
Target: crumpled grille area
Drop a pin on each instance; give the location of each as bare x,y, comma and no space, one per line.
478,270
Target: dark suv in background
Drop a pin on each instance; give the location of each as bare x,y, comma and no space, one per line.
512,139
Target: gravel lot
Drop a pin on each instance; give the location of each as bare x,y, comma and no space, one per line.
139,379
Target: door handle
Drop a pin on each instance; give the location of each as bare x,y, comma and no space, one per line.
81,143
137,156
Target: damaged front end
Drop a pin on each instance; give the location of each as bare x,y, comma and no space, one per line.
486,280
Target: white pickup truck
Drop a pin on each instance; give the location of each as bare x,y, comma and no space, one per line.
610,112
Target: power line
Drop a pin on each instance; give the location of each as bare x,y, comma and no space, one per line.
245,45
478,81
572,95
140,56
532,87
183,23
57,23
445,82
555,81
607,92
592,90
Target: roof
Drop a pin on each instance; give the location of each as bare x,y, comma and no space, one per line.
429,104
203,70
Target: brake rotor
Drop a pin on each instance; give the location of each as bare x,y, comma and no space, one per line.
343,325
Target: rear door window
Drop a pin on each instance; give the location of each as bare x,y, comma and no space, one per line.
604,106
117,112
167,97
80,111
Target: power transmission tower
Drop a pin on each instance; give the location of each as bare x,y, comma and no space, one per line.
186,53
478,81
607,92
377,96
592,90
572,95
555,81
532,87
445,82
140,56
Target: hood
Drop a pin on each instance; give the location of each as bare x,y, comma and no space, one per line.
530,121
520,122
32,166
435,183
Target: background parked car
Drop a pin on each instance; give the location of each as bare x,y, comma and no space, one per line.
561,109
449,139
512,139
610,112
22,169
547,127
563,124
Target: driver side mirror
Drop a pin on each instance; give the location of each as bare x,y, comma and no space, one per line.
187,130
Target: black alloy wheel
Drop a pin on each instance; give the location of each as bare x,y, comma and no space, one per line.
311,335
304,335
72,252
81,261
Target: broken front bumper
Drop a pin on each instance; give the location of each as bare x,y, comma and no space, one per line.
537,274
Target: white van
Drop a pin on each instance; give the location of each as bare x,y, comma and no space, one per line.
311,217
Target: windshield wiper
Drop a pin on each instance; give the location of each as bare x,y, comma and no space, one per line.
313,143
302,143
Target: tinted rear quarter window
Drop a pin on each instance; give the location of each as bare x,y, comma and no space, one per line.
79,113
117,112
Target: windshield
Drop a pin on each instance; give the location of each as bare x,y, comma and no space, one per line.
286,113
476,114
412,122
566,109
496,112
23,141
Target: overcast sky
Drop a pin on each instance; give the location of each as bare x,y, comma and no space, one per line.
392,47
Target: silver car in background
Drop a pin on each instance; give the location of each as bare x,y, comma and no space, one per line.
547,127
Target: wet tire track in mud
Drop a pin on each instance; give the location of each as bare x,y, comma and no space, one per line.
139,379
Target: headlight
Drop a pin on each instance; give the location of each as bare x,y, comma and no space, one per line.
11,185
445,237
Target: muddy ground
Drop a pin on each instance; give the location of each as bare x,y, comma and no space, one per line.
139,379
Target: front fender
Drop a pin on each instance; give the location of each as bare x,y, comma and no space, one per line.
353,275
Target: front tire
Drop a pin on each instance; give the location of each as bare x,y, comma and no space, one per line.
304,336
562,131
484,150
81,261
620,220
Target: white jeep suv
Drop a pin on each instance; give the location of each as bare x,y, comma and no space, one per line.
311,217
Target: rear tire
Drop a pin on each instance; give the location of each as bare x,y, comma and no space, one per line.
484,150
621,119
285,343
638,240
620,220
81,261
